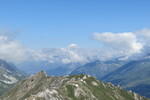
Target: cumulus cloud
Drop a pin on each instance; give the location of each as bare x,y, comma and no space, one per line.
11,49
125,43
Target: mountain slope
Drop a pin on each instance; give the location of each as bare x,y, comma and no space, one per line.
9,75
75,87
98,68
135,76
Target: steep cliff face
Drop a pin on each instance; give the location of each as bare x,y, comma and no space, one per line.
75,87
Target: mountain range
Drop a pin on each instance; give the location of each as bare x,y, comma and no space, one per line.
134,76
75,87
129,74
98,68
55,69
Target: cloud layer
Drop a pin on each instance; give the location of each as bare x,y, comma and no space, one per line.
14,51
69,54
114,45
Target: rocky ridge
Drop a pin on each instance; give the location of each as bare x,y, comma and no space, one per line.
75,87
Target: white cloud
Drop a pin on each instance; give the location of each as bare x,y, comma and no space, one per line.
115,44
11,49
125,43
72,54
144,35
69,54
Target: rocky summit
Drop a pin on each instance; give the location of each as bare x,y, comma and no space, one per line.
74,87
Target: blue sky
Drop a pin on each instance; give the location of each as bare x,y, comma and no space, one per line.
58,23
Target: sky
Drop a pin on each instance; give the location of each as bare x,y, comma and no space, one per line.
31,25
57,23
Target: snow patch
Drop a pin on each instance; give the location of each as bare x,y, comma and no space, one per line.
12,79
8,71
